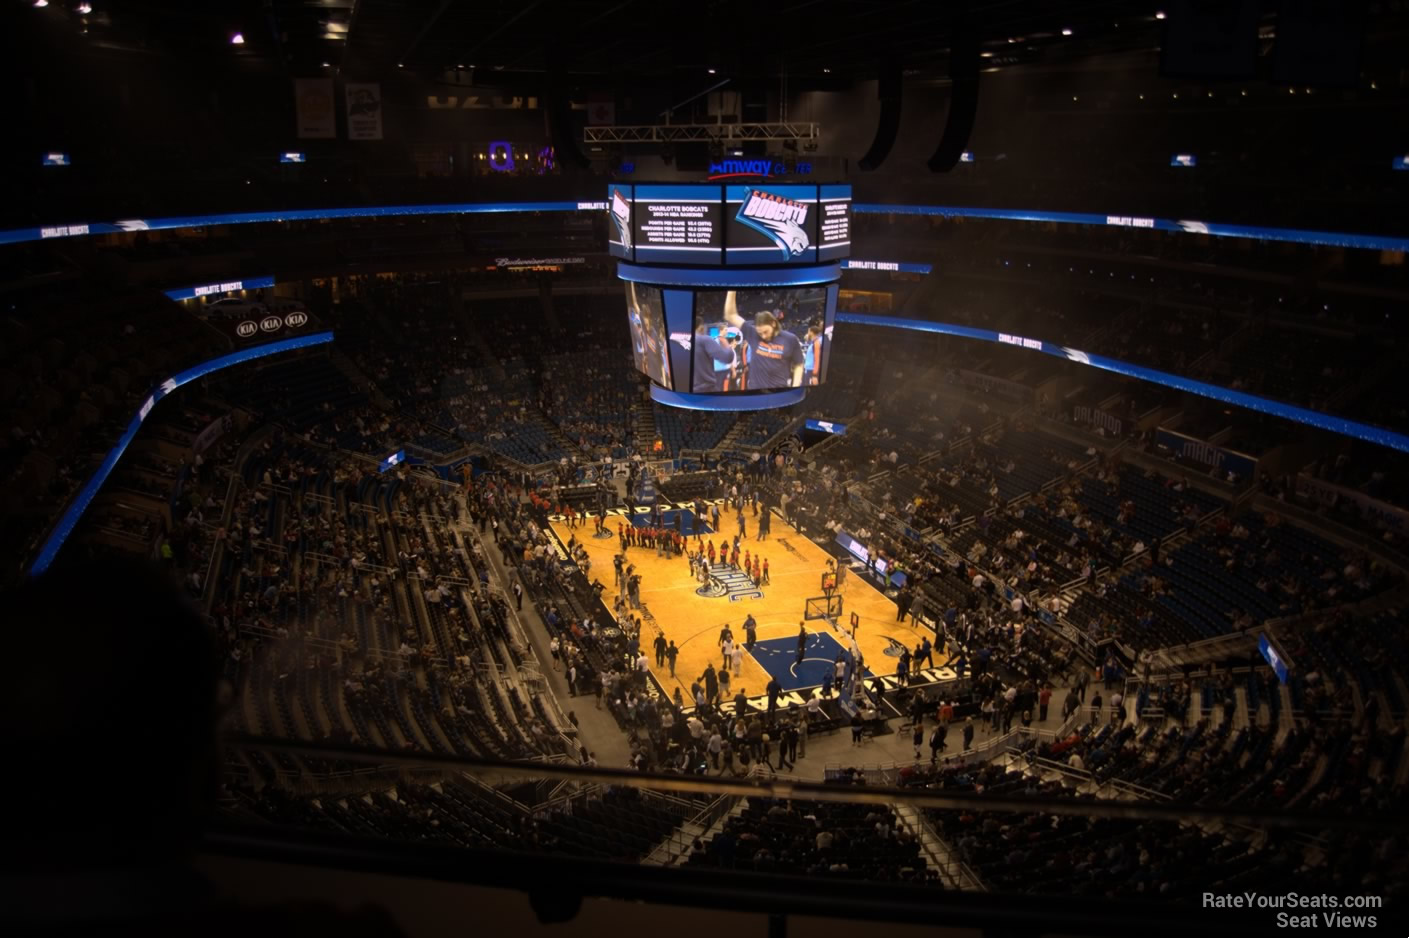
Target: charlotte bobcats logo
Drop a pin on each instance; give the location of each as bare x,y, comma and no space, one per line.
780,219
246,329
894,648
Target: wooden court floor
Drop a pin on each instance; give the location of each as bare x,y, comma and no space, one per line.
693,622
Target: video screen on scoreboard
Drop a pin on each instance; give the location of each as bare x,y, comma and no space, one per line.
650,345
619,209
834,222
771,224
760,340
677,225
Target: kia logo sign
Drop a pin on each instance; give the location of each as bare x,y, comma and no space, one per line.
271,324
246,329
295,319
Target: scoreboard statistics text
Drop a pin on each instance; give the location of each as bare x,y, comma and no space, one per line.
706,224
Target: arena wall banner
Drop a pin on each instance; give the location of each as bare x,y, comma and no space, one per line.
1097,418
1330,494
264,327
989,384
313,109
364,110
1208,454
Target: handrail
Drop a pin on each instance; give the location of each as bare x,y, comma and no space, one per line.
768,786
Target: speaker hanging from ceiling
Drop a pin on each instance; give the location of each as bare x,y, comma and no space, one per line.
557,112
963,94
889,123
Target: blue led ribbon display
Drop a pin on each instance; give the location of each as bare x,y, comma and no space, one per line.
1313,418
1296,235
743,278
763,400
85,495
1187,226
215,289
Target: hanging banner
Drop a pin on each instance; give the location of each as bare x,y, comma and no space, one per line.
601,108
313,108
364,110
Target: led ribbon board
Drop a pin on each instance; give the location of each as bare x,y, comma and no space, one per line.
1312,418
1372,242
74,513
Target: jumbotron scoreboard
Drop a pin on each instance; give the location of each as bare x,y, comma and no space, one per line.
731,289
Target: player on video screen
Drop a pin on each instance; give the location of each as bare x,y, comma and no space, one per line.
648,343
718,365
773,355
812,354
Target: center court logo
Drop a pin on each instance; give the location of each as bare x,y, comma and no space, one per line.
894,647
780,219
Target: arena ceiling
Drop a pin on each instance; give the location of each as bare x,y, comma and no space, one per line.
817,40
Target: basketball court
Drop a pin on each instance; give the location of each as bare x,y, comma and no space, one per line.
692,617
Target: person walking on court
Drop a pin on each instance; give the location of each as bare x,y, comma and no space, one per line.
671,654
937,744
736,658
788,753
726,647
801,642
711,684
917,737
857,728
765,581
750,632
774,689
743,525
660,646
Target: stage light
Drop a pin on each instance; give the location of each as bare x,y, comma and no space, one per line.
1066,32
85,8
711,71
41,4
238,39
1159,15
